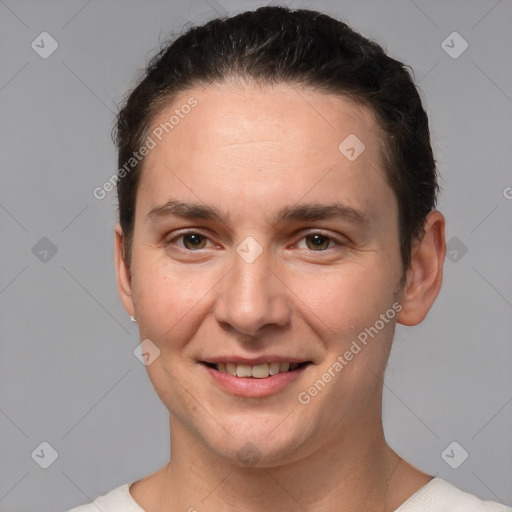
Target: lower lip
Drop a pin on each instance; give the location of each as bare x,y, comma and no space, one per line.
251,386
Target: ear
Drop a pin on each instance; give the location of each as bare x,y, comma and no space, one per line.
425,273
123,272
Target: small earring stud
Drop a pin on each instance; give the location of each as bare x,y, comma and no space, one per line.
133,319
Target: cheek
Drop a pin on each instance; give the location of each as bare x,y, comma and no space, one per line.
169,299
346,299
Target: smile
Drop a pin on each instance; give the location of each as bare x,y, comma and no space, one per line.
261,379
257,371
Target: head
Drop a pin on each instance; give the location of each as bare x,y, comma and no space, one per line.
296,155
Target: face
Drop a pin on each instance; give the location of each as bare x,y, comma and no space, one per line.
264,240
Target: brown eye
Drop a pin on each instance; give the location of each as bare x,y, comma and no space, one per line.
194,241
317,242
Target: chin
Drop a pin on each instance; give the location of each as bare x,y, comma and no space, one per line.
258,444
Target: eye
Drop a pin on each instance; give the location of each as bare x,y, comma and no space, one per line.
318,242
192,241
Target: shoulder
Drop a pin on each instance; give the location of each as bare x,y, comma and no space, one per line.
441,496
117,500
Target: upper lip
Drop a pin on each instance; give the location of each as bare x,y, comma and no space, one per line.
254,361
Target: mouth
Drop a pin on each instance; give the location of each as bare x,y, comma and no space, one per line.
257,371
257,380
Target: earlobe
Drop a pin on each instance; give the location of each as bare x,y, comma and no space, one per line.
425,273
123,272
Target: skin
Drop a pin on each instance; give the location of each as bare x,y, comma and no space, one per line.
250,151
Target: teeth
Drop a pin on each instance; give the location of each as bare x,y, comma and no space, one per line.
273,368
258,371
243,370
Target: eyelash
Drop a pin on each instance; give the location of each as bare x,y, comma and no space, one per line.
338,242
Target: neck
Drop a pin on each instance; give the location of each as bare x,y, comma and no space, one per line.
350,472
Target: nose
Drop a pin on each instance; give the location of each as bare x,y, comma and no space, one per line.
252,295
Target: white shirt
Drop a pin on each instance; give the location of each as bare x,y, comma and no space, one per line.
436,496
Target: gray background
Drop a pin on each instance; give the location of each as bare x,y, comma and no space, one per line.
68,375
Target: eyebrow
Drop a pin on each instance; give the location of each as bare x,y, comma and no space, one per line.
300,212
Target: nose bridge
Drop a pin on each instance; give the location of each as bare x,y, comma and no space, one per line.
251,295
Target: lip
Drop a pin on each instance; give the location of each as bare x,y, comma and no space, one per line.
253,387
253,361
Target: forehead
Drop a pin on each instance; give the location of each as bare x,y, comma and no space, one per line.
280,143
